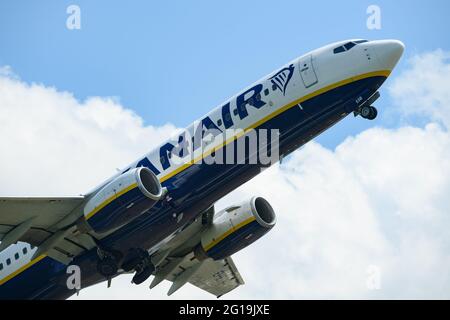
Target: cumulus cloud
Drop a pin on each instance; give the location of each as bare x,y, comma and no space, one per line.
375,207
53,143
426,91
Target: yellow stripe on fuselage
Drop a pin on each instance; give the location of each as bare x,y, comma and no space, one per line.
228,232
24,267
383,73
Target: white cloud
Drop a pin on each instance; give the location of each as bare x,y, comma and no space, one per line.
424,88
53,143
380,198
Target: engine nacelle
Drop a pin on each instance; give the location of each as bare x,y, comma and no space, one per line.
122,200
235,228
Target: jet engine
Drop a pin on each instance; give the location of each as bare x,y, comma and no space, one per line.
235,228
122,200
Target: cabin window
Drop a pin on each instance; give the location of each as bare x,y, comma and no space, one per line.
266,92
235,112
24,250
274,87
219,122
1,266
16,256
8,261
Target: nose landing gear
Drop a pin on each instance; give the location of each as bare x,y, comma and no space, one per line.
368,112
365,109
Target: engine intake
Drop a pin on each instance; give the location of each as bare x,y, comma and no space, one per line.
235,228
122,200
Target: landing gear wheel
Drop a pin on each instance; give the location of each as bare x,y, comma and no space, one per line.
107,267
133,259
143,275
368,112
373,113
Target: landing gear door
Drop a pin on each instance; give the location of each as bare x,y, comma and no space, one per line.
307,71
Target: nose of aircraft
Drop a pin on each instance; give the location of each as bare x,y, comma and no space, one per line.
389,52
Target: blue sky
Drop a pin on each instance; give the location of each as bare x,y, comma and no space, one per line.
173,61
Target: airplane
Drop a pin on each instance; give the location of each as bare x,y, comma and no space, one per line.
157,216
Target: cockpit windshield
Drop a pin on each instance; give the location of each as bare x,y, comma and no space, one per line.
348,46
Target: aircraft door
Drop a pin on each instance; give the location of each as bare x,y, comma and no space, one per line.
307,71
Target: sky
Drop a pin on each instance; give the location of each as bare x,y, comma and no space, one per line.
365,198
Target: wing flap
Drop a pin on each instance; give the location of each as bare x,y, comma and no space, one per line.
216,277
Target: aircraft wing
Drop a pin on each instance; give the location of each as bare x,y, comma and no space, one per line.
216,277
43,222
177,263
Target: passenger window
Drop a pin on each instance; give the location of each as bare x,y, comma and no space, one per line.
1,266
24,250
8,261
219,122
16,256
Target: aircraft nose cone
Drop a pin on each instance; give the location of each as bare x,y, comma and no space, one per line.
389,52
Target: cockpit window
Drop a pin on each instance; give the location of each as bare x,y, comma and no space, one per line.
339,49
348,46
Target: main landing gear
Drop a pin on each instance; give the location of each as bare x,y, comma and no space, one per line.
136,259
139,260
108,263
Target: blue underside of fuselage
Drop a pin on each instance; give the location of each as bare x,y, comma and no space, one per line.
192,190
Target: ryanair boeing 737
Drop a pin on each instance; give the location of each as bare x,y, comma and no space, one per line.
157,215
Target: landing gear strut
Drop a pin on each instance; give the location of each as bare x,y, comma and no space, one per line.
108,263
139,260
368,112
144,274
